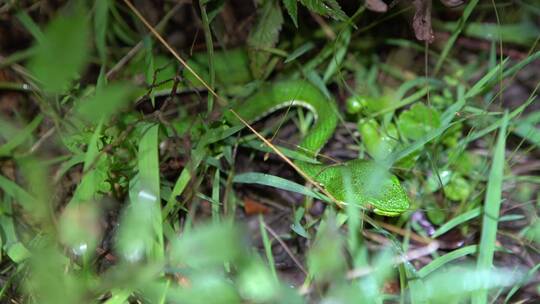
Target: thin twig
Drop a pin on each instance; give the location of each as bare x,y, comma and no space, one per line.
286,248
402,232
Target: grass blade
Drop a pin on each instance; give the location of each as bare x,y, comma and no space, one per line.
529,276
93,162
140,233
492,204
447,258
274,181
458,220
459,27
17,137
20,195
149,181
268,248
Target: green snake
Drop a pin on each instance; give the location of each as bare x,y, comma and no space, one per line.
363,182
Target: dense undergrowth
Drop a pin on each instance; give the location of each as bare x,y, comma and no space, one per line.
120,181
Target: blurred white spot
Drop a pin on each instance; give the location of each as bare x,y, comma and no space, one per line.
80,249
134,255
445,174
147,196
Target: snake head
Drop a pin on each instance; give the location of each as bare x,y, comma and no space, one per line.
392,200
366,183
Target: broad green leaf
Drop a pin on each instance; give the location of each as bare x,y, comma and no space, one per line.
104,103
418,121
263,36
458,189
63,52
436,215
446,120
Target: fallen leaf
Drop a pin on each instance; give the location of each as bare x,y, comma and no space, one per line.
453,3
377,6
422,20
253,207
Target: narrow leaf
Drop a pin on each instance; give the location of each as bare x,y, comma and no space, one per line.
101,19
492,204
329,8
292,9
274,181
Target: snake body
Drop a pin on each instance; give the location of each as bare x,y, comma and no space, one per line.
357,181
362,182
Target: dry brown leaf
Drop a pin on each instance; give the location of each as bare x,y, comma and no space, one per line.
377,6
453,3
422,20
253,207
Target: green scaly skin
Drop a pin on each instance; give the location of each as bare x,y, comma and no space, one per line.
356,181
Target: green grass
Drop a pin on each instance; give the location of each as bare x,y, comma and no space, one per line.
106,197
492,206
